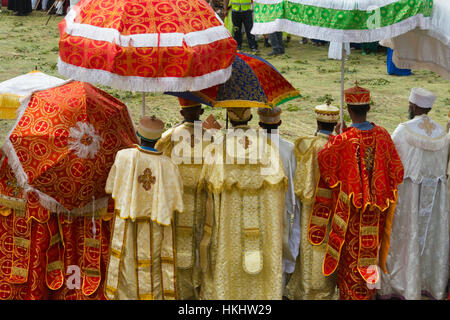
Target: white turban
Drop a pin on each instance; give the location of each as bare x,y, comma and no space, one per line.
422,98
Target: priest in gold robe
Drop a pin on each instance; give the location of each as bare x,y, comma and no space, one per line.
241,248
307,281
184,144
147,190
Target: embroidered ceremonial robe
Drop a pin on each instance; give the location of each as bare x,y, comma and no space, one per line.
418,260
147,190
307,281
241,248
185,146
357,192
45,256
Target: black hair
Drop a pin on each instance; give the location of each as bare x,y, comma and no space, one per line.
326,125
359,110
270,126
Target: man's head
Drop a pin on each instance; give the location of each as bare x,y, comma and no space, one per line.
269,118
239,116
420,102
192,114
327,116
358,113
358,103
190,110
150,130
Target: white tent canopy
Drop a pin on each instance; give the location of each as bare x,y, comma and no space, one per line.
426,49
24,84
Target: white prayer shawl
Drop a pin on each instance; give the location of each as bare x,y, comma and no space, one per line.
291,221
418,259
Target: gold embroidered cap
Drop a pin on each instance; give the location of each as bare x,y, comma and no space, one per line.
357,96
270,115
327,113
150,128
239,114
422,98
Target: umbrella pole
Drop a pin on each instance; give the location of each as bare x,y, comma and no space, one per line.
143,104
341,111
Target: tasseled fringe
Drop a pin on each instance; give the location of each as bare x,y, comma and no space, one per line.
357,36
175,39
143,84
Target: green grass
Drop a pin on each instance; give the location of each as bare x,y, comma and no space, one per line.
26,43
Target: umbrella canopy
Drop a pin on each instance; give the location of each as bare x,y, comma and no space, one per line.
146,45
426,49
342,20
254,82
64,143
13,89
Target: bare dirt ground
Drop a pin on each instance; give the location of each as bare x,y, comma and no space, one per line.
27,43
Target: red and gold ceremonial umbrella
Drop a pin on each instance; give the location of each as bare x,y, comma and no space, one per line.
146,45
64,143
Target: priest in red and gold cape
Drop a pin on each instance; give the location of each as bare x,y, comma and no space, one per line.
45,256
356,195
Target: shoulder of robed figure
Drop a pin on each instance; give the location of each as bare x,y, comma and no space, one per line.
304,143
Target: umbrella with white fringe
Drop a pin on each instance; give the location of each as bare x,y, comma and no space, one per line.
342,21
146,45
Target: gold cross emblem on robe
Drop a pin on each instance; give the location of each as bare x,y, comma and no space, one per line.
427,125
147,179
245,142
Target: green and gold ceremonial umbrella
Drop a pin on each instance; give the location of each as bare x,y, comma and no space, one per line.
342,21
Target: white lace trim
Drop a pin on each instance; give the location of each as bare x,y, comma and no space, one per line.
338,35
175,39
143,84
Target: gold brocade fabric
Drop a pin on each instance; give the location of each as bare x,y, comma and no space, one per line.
188,226
147,190
142,262
241,248
145,184
307,173
307,281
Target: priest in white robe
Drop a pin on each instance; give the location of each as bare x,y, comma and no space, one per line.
270,120
418,260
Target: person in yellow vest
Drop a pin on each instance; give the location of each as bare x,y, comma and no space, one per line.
242,14
147,190
184,144
307,281
241,248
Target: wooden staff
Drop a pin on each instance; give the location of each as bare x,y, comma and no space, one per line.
37,4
